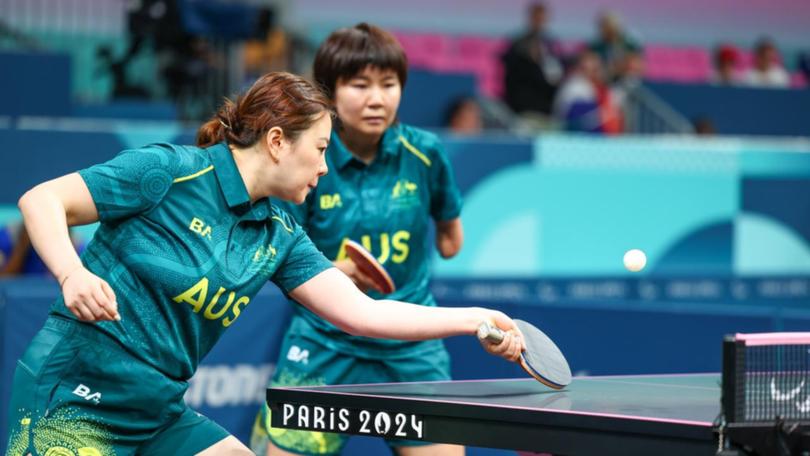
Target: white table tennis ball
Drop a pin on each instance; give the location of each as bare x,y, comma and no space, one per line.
635,260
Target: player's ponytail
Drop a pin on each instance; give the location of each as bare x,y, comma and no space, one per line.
275,100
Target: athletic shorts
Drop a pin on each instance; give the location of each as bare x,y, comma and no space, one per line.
76,392
305,360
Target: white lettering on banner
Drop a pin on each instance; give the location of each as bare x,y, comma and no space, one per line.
303,417
288,413
225,385
343,415
331,419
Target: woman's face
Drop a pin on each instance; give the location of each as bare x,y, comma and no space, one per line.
304,161
367,103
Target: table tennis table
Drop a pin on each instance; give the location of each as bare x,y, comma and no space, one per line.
615,415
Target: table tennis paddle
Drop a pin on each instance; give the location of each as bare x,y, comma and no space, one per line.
369,266
540,358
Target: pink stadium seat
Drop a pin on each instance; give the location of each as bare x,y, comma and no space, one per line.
798,81
480,46
477,55
423,49
677,64
473,46
434,43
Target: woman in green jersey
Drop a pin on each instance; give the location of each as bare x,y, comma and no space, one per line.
388,182
187,237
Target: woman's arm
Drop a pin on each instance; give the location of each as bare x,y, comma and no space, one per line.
48,209
334,297
449,237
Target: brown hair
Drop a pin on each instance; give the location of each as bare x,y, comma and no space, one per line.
275,100
348,51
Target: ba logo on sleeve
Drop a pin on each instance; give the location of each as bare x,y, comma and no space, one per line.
298,355
331,201
84,392
200,227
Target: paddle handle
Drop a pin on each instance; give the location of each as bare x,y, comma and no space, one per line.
489,332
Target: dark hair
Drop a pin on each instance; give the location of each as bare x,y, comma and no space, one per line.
763,43
455,106
275,100
537,5
347,51
725,53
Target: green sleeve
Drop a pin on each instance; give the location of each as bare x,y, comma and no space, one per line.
303,262
134,181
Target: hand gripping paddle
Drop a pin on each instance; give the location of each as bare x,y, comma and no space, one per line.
370,267
541,358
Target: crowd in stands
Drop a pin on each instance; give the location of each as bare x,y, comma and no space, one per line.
581,86
766,69
546,82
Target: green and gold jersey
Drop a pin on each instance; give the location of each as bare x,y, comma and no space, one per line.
386,206
185,250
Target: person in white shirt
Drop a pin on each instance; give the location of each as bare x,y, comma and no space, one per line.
767,70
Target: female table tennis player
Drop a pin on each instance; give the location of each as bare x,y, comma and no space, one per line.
187,238
387,181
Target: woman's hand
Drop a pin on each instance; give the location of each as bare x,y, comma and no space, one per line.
512,344
88,296
363,282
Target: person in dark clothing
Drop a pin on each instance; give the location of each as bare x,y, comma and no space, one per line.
532,70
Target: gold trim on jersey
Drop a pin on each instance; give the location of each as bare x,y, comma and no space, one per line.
280,220
193,176
414,151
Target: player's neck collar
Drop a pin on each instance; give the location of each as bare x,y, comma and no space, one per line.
230,181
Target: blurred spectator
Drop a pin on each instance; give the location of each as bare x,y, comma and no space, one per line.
6,247
268,50
532,70
767,70
620,53
118,72
726,59
585,102
186,62
463,117
187,66
18,257
704,126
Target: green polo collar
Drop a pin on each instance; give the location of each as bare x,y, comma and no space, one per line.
230,181
388,146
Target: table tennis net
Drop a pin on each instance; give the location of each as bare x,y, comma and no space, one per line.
767,377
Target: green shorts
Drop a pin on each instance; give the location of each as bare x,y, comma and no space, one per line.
76,392
306,360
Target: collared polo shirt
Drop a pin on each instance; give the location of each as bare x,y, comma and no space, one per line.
386,206
185,250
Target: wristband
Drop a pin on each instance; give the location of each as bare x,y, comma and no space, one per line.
64,279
